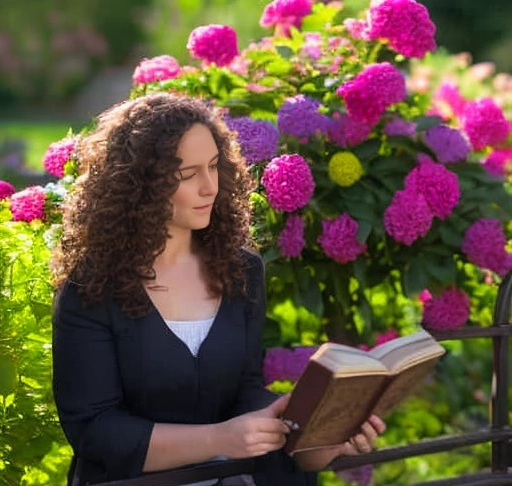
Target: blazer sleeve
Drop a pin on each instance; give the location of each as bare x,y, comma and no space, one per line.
252,393
88,390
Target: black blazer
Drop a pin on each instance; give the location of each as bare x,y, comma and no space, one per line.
114,377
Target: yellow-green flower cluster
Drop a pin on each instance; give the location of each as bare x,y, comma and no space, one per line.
345,169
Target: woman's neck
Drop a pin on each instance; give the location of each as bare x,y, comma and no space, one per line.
177,248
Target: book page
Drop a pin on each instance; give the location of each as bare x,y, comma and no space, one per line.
401,353
347,360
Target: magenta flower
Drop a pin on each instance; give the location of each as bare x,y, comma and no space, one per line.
347,132
291,240
259,139
299,116
372,91
28,204
405,24
399,126
213,43
484,245
288,182
284,14
436,183
6,190
499,162
449,310
157,68
484,122
408,217
448,143
285,363
339,239
447,101
57,155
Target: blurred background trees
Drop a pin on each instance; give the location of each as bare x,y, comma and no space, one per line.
51,49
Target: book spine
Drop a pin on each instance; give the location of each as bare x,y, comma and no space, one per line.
305,397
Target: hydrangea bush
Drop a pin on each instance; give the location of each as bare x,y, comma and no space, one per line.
383,194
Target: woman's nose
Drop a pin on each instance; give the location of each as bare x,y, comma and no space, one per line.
209,184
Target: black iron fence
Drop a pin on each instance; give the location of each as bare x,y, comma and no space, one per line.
498,432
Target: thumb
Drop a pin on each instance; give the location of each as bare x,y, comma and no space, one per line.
277,407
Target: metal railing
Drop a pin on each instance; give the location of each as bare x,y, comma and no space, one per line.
498,433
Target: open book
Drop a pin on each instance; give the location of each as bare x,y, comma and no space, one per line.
342,386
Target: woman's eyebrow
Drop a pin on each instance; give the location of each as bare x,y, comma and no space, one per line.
216,156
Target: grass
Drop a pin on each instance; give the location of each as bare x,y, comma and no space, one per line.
36,136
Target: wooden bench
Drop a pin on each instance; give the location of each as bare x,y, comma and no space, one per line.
498,432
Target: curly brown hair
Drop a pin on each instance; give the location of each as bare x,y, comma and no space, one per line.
115,219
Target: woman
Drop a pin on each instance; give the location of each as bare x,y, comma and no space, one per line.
159,314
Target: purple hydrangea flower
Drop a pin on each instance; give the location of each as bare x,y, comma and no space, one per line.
28,204
347,132
405,24
439,186
448,143
213,43
285,14
449,310
399,126
339,239
157,68
408,217
259,139
485,124
499,162
57,155
484,245
361,475
288,182
373,90
285,363
299,117
291,240
6,190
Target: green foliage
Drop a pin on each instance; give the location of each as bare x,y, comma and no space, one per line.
30,433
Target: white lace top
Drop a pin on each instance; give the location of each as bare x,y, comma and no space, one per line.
192,333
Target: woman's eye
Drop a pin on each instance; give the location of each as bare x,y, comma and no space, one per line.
213,166
187,178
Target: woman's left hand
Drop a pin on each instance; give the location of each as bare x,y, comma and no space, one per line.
364,441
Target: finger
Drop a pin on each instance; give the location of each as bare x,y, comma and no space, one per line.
277,408
370,433
271,425
264,442
378,424
360,442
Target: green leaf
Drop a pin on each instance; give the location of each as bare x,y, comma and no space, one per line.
8,375
415,277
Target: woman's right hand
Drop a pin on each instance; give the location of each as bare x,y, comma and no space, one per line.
254,433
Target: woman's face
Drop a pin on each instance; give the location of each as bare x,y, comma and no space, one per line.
198,187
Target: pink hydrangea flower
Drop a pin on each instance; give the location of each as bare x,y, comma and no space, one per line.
484,122
6,190
288,182
448,143
484,245
373,90
499,162
436,183
408,217
291,240
347,132
447,102
399,126
28,204
449,310
57,155
357,28
286,363
157,68
339,239
284,14
405,24
214,44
